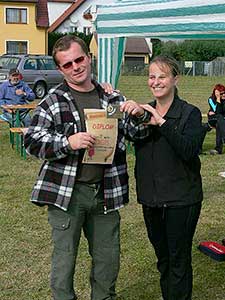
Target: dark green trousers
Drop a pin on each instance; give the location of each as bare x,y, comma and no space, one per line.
102,233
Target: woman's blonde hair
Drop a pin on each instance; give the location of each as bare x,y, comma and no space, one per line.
168,62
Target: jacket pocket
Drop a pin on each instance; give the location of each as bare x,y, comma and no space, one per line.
62,224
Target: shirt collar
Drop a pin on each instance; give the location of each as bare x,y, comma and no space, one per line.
175,109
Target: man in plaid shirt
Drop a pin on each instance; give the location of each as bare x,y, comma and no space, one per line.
79,196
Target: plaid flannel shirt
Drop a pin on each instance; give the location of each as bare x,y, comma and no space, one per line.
54,120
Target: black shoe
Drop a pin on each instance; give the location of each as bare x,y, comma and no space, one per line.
207,126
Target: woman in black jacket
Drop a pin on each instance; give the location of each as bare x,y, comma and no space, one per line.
168,135
216,116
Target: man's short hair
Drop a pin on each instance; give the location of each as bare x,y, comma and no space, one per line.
64,44
14,71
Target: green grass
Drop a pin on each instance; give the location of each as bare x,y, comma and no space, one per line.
195,90
26,238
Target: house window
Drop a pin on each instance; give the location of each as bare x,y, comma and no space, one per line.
87,30
16,15
73,29
16,47
134,63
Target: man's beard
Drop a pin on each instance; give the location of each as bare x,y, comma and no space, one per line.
14,81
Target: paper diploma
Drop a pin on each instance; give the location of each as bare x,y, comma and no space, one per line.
105,131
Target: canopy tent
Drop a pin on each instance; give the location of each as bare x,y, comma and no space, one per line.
171,19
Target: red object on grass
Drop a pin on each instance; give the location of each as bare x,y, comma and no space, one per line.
213,249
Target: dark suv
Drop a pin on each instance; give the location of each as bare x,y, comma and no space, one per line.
39,71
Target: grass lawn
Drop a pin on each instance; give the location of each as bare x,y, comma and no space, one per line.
25,234
195,90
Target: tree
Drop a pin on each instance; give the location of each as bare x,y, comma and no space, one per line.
193,50
157,45
54,36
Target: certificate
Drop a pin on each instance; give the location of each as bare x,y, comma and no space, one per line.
105,131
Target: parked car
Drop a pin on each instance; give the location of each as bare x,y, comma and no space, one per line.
39,71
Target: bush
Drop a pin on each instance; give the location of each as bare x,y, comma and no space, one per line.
54,36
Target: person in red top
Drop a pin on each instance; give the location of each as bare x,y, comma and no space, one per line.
216,116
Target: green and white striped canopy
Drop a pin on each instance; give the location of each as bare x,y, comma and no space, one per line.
171,19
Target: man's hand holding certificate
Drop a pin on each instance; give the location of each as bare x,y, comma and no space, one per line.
105,131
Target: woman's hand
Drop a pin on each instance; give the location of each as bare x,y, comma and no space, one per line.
132,108
156,118
217,94
210,113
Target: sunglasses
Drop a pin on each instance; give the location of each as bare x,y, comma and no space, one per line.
222,93
69,64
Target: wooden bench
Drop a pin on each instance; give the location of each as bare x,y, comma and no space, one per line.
20,131
3,122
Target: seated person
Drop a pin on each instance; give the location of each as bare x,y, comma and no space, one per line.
216,116
16,91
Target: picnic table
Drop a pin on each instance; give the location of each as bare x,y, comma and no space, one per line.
16,126
14,109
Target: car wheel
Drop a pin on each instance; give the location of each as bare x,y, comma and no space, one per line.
40,89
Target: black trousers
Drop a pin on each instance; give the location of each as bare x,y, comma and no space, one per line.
218,121
171,230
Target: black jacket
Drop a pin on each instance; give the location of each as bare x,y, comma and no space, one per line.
217,108
167,166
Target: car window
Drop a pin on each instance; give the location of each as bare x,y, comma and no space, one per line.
30,64
9,62
41,65
49,64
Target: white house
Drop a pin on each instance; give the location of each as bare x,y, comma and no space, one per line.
77,18
68,16
56,8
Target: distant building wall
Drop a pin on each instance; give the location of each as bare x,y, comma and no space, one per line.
75,21
27,33
55,10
